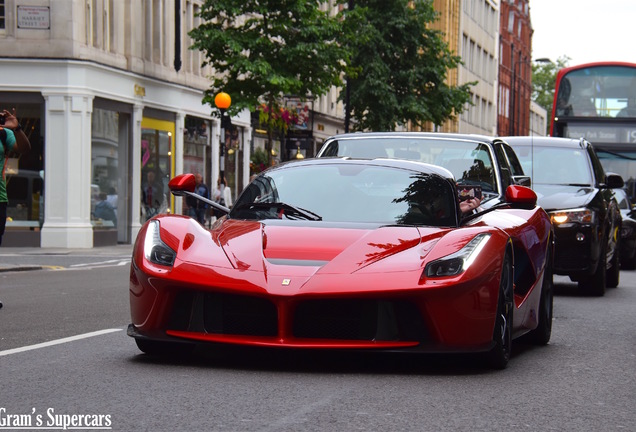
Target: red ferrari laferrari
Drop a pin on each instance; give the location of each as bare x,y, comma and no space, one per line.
346,254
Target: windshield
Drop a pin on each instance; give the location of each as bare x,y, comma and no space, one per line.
349,193
469,162
598,91
555,165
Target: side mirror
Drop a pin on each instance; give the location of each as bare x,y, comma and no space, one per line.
614,181
521,196
182,183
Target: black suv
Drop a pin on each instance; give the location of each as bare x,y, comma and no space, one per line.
577,193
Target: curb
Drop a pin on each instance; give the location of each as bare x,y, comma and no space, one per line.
19,268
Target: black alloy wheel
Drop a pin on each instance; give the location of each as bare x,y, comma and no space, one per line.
613,273
499,355
541,335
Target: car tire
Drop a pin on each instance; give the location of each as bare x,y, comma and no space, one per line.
596,283
541,335
614,272
164,349
499,355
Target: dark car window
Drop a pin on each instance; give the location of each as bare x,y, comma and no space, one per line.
504,167
513,161
599,172
556,165
350,193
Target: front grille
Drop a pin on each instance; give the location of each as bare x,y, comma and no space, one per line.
571,258
336,319
356,319
224,314
239,315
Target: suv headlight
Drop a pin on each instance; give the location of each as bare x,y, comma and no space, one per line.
155,250
581,216
459,261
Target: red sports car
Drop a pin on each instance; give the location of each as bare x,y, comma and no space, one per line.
346,254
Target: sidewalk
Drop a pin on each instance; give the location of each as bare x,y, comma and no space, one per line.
116,250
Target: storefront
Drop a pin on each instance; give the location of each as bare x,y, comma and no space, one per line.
96,135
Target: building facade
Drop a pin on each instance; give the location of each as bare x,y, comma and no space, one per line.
471,31
538,120
110,96
479,51
515,68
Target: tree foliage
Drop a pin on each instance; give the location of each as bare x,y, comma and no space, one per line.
261,50
544,81
402,66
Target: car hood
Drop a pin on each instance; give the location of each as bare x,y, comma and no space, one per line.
281,256
557,197
326,249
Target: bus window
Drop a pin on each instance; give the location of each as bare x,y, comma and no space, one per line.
597,101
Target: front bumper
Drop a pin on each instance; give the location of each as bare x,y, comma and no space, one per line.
457,316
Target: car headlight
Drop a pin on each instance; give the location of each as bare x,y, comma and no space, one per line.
581,216
155,250
459,261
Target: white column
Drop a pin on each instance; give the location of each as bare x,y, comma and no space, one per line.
135,193
67,171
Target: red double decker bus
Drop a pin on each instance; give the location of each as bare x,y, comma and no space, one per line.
597,101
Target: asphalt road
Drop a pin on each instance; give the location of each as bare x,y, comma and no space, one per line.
64,353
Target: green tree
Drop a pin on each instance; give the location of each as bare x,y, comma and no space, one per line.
543,83
261,50
402,65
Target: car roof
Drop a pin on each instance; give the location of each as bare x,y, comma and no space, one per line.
411,135
392,163
545,141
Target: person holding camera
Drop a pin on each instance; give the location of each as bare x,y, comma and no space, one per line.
12,139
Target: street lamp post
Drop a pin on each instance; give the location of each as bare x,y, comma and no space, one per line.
222,101
512,129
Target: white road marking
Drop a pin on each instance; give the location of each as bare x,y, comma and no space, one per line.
58,341
109,263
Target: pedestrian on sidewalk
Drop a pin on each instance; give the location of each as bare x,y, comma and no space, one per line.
197,208
12,139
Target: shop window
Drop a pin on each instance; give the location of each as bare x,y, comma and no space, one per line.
196,154
105,168
24,172
157,167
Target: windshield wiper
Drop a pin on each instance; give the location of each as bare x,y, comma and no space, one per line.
290,211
